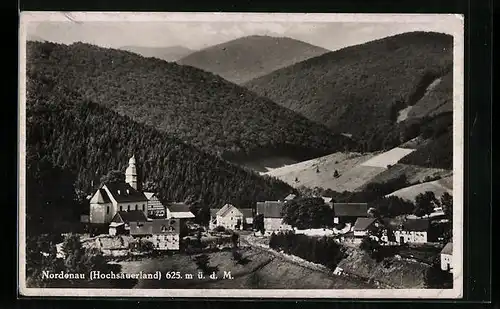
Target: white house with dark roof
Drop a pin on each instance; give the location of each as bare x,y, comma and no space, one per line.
163,233
349,212
231,217
365,226
273,218
290,197
120,223
113,197
447,257
178,211
412,231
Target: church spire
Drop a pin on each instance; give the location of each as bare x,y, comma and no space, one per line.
131,173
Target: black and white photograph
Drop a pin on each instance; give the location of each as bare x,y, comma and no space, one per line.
263,155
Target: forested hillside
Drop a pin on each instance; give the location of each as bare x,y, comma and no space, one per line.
437,152
81,141
361,89
192,105
245,58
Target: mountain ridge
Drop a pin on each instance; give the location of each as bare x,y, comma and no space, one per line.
360,89
167,53
195,106
247,57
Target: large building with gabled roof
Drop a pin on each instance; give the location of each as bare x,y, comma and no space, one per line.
231,217
272,211
112,197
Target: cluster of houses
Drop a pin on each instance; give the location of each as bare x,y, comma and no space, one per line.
127,210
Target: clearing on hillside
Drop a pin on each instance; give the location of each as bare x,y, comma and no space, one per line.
390,157
414,174
320,172
439,187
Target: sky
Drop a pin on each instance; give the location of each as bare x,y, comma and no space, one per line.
197,35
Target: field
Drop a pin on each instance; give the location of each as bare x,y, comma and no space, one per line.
390,157
262,270
414,174
438,187
319,172
355,170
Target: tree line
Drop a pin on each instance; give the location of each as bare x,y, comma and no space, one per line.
312,212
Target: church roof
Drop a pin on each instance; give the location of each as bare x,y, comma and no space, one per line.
100,197
124,193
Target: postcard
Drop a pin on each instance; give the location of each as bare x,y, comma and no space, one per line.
241,155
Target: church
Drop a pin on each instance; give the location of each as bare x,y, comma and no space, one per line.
111,198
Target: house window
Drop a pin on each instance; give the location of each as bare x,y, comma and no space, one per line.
121,208
163,228
142,207
136,207
128,208
107,210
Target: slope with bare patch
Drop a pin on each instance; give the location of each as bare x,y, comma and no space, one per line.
319,172
439,187
388,158
414,174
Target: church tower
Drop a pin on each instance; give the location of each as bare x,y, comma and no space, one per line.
131,173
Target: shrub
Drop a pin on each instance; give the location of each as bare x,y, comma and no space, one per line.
322,250
219,229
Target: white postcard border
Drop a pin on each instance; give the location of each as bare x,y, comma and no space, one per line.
456,23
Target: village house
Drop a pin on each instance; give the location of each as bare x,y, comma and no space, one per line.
179,211
366,227
290,197
412,231
231,217
155,208
120,224
349,212
111,198
447,258
162,233
182,213
328,201
273,219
